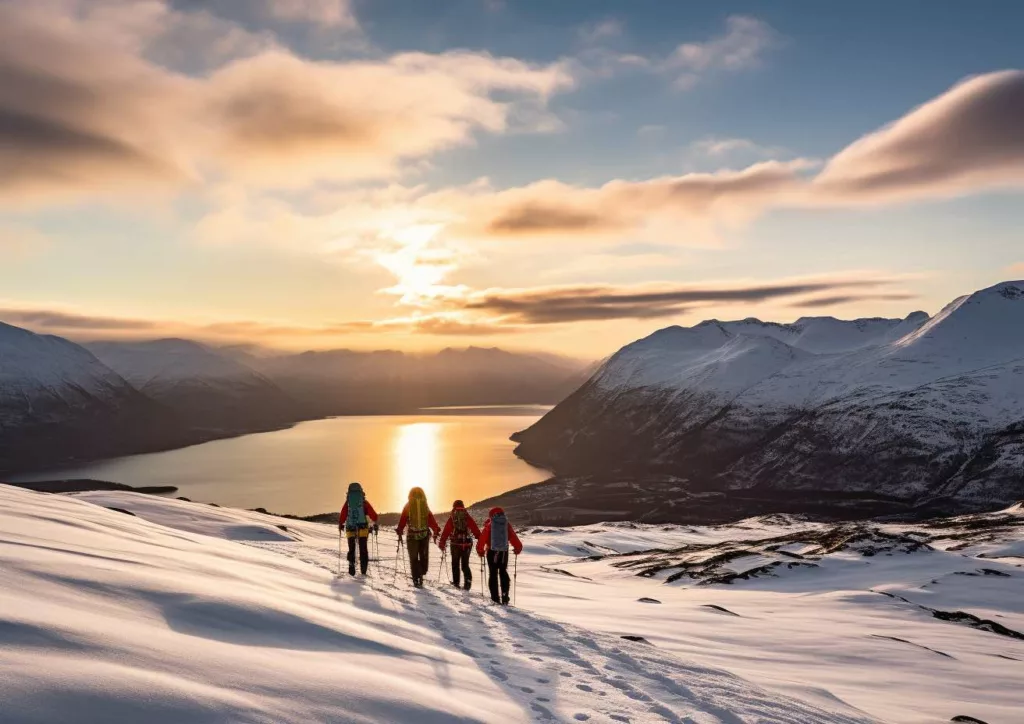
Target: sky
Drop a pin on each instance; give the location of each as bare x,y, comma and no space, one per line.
561,176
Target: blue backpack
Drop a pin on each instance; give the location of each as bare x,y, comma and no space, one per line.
499,532
356,513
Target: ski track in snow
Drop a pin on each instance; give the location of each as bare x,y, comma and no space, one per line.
560,672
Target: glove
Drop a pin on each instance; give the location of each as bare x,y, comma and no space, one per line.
376,528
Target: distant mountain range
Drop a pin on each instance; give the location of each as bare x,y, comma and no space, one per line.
61,402
748,416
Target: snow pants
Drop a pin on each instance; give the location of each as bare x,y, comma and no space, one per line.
497,567
460,564
364,556
419,556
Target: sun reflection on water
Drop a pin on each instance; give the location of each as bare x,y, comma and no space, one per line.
417,459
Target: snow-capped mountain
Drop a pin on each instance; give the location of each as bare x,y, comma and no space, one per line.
916,410
210,389
58,402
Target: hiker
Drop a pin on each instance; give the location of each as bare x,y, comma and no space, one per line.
461,528
354,520
495,539
421,521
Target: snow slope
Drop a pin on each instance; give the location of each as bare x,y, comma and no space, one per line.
881,622
921,410
185,612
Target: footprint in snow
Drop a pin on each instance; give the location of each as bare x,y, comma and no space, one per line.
585,687
543,711
543,681
581,716
526,689
499,675
565,674
536,658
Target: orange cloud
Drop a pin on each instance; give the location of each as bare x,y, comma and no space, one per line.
83,114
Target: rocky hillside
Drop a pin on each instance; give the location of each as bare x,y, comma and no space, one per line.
923,411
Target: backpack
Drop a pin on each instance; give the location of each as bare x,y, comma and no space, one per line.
460,529
356,512
499,532
418,514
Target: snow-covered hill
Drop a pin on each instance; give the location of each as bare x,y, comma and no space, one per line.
920,410
57,401
117,607
207,388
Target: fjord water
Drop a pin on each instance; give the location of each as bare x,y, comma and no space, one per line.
450,453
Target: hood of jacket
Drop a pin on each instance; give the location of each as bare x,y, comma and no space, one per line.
494,511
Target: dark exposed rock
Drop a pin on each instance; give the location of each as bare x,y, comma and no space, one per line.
645,599
721,609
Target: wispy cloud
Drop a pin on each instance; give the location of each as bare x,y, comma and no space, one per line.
329,13
741,47
582,303
720,148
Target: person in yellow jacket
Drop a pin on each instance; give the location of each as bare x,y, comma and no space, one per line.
420,521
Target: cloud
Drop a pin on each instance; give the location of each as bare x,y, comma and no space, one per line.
49,320
840,299
330,13
718,147
84,115
551,208
563,304
968,139
741,47
597,32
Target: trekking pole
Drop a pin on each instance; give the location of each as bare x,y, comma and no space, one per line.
515,573
481,576
339,552
398,549
444,554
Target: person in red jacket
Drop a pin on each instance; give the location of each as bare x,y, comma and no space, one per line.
461,528
416,514
355,519
495,539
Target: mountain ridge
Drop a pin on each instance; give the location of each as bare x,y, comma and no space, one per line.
936,412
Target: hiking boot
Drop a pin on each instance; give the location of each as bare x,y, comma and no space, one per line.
351,569
457,585
496,599
468,585
504,600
